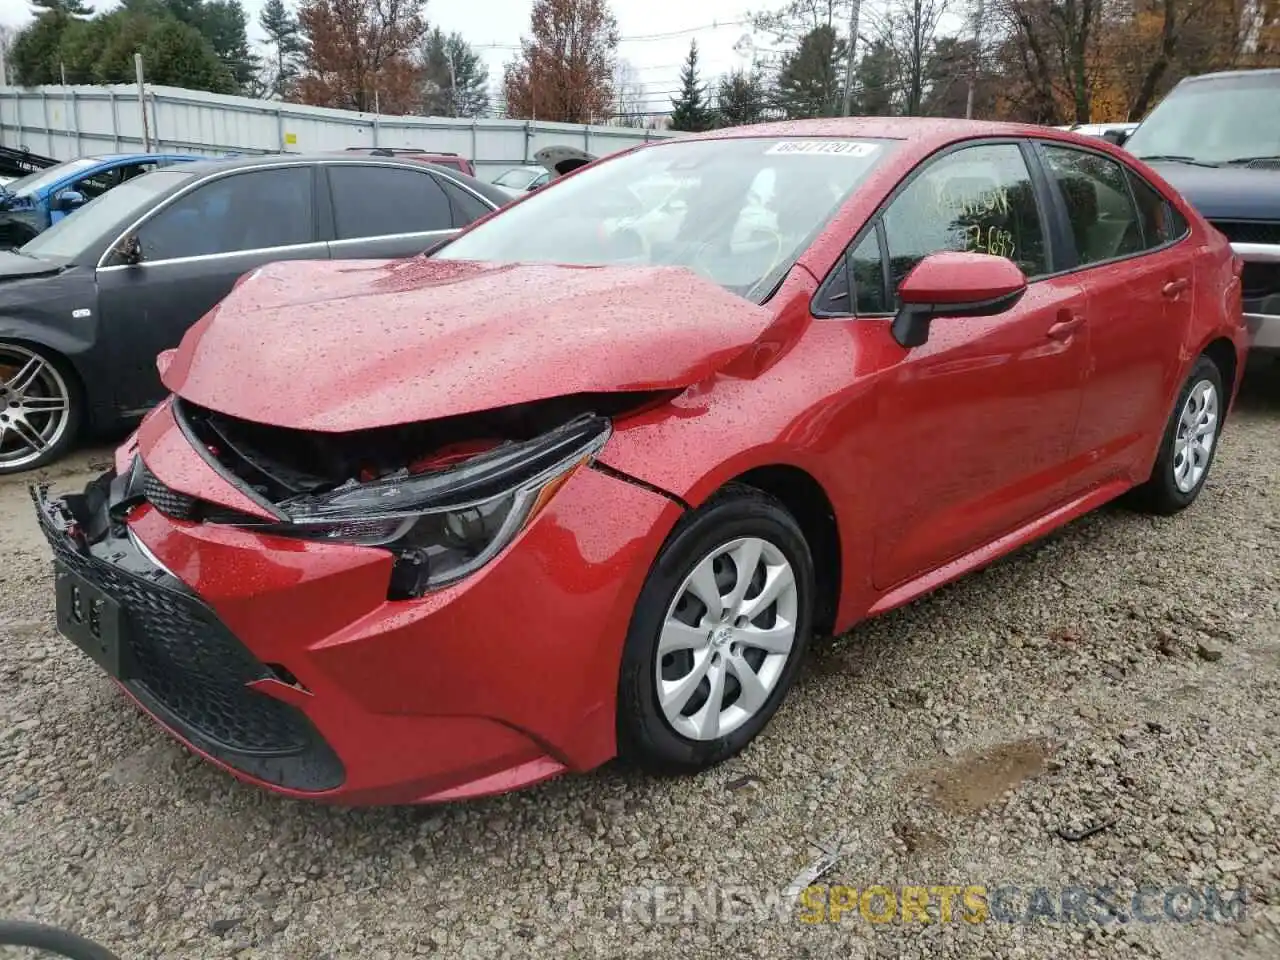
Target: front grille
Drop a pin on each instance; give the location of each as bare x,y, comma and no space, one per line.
1248,231
191,671
1260,280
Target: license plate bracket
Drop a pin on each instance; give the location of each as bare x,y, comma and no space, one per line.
91,620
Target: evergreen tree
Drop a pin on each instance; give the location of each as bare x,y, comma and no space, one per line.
689,111
874,81
741,98
36,54
74,7
811,77
455,79
284,39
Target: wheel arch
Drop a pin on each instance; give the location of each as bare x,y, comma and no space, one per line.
1222,351
807,501
67,366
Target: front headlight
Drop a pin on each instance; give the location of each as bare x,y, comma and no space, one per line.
446,524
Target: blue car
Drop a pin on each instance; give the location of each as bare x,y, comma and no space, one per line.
32,204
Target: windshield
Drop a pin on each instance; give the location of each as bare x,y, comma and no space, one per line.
1214,121
737,211
67,238
516,178
33,182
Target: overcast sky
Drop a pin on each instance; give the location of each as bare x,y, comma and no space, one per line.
655,33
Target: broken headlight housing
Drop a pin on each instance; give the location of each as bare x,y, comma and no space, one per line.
445,524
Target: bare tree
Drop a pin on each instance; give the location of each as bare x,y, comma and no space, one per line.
910,28
628,95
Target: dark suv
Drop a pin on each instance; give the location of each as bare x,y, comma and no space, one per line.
1216,138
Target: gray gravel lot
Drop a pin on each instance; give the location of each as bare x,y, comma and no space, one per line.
1124,672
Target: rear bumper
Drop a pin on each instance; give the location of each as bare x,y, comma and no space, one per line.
283,662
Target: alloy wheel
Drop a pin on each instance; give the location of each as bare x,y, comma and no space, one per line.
726,638
1195,435
35,406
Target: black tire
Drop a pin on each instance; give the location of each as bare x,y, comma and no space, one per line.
10,354
645,737
1160,494
14,933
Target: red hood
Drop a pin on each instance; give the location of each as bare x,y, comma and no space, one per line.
346,345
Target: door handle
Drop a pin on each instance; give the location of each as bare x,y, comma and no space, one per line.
1065,327
1175,287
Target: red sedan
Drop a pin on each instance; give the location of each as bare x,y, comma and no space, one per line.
586,480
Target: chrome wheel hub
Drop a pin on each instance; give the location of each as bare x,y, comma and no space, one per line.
1196,433
726,639
35,406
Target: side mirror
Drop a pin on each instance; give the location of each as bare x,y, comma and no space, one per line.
69,200
1116,137
129,250
952,284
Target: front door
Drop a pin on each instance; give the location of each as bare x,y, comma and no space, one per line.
976,424
1139,282
193,251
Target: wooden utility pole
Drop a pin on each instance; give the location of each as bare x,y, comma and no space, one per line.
976,66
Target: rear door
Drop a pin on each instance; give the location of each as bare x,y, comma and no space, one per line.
193,251
1139,279
385,210
975,426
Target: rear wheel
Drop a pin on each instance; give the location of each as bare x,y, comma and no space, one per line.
718,634
1189,444
40,408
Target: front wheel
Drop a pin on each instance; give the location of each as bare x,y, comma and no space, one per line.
1189,443
718,634
40,408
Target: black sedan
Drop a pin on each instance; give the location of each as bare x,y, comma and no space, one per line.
86,306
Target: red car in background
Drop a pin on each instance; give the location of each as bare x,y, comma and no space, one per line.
586,480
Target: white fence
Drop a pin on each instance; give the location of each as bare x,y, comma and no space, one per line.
73,121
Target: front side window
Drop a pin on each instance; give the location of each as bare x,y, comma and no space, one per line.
978,200
71,236
254,210
371,201
738,211
1100,209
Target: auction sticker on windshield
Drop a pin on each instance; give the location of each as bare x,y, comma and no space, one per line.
846,148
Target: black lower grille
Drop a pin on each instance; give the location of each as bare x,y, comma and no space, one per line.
170,502
1249,231
1260,280
191,671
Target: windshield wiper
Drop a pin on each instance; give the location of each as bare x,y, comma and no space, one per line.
1241,161
1176,158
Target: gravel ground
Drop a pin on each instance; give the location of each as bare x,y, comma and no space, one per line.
1124,674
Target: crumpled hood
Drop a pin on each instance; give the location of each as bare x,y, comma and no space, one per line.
346,345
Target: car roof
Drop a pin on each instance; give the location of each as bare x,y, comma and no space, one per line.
923,130
219,165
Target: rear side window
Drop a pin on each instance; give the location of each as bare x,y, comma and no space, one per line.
371,201
244,211
978,199
466,205
1100,210
1160,222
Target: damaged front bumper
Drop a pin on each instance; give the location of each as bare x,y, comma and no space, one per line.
168,649
287,662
